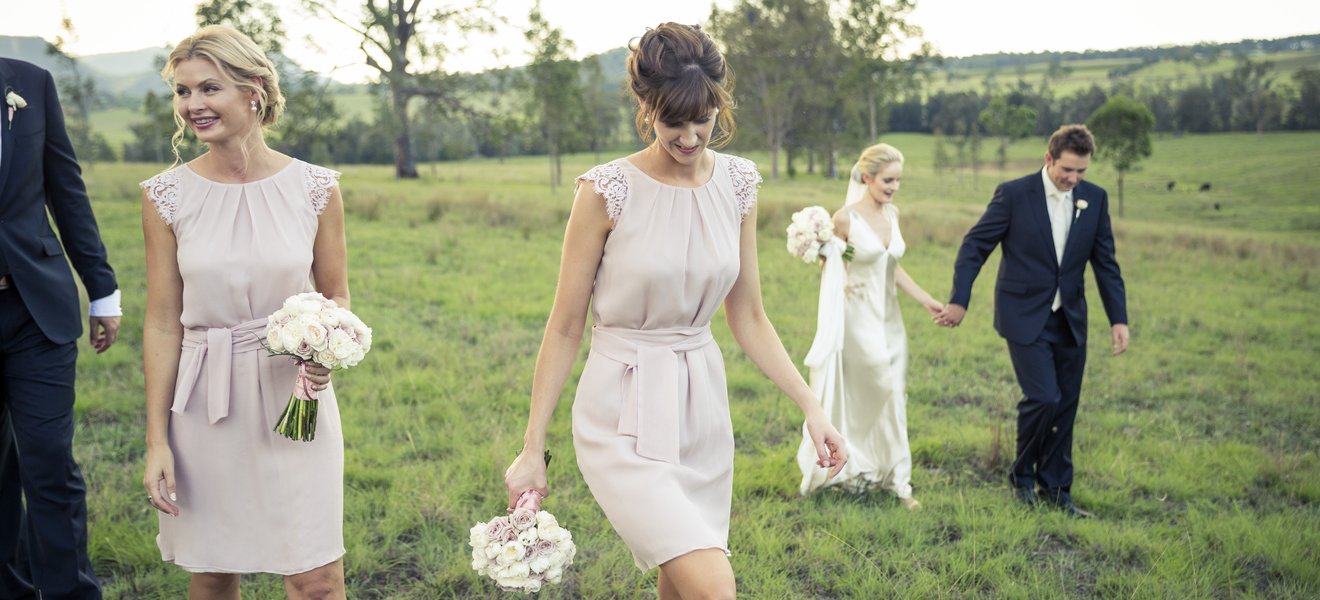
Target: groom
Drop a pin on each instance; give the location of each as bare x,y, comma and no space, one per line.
43,541
1050,225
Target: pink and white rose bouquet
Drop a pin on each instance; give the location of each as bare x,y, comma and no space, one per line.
523,551
811,229
312,328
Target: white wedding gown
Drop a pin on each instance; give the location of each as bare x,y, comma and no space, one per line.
863,387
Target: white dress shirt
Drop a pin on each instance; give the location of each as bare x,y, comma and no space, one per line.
1060,208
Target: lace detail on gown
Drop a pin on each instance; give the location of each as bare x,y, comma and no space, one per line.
163,191
608,181
745,181
318,181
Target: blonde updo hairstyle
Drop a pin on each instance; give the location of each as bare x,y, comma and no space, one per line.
240,62
874,159
677,74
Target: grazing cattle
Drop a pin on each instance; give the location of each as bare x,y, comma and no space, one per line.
1205,187
1216,206
1169,186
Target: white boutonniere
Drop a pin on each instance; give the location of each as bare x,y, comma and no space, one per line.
1079,206
15,102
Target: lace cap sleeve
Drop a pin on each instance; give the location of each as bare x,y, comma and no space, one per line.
163,191
746,179
318,181
608,181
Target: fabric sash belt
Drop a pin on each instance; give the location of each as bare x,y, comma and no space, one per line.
214,349
652,404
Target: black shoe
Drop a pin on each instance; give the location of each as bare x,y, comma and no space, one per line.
1063,501
1026,495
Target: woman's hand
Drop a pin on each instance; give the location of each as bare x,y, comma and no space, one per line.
527,472
159,479
318,376
933,306
831,451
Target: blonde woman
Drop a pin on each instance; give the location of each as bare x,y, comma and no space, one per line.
863,387
229,236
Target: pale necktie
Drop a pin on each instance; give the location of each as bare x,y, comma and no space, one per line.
1059,215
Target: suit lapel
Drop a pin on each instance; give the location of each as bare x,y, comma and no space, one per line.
7,149
1074,219
1039,207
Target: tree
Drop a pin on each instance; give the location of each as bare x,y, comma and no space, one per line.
151,137
774,47
1304,111
1122,131
556,95
1255,103
395,37
601,103
1008,122
79,99
1193,109
870,34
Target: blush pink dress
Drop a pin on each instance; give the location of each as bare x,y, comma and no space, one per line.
651,417
250,500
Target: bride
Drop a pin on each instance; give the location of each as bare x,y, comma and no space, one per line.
860,376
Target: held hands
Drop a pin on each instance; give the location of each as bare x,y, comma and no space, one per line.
102,332
1119,338
933,307
159,479
951,316
527,472
831,451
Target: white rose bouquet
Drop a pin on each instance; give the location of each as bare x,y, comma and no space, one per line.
522,551
810,230
312,328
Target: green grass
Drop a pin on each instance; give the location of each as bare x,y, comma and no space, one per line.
1197,449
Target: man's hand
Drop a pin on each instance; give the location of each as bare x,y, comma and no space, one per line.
951,316
102,332
1119,334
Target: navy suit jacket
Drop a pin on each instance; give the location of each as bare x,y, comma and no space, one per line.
38,172
1018,220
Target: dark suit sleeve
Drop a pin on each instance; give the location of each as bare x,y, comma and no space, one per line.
66,196
1104,264
977,245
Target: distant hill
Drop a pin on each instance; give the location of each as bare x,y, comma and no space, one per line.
117,74
27,48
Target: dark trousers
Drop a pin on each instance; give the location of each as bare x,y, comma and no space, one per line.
1049,371
43,541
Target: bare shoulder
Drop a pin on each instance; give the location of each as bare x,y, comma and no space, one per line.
842,219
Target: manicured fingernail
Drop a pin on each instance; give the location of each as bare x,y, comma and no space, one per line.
173,497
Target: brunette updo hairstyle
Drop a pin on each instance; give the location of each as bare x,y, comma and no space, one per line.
676,74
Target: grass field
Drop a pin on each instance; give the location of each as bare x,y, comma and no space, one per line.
1198,449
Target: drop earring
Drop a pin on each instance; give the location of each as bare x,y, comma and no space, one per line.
254,105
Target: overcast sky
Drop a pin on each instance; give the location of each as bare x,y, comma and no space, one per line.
955,27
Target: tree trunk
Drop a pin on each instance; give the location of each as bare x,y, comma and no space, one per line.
774,156
870,107
1120,193
404,167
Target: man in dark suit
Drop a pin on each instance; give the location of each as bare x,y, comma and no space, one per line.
43,546
1050,224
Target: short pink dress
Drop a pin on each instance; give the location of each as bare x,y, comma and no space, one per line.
651,418
250,500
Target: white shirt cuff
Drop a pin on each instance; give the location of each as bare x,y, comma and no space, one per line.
107,306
